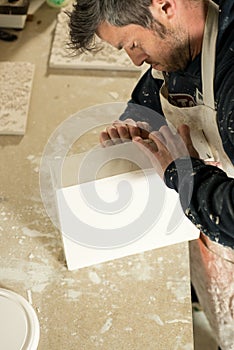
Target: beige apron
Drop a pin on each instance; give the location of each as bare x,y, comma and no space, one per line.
212,265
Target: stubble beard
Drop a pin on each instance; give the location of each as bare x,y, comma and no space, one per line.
180,53
177,44
179,56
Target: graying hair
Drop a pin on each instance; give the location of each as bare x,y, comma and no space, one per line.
87,15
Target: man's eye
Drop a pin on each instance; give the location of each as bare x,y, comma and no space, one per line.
134,45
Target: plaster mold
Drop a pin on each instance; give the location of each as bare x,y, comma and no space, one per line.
108,58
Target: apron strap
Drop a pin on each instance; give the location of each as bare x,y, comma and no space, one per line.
208,54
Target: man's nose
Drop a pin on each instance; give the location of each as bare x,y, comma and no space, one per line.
136,57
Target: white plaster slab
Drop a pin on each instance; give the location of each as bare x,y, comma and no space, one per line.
15,90
171,225
108,58
14,21
34,6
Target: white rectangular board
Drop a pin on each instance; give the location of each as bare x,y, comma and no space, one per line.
146,218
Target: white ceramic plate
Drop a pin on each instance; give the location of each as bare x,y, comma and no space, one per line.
19,325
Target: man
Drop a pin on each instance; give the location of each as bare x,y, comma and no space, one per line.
189,45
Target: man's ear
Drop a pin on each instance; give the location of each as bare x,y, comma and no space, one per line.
165,8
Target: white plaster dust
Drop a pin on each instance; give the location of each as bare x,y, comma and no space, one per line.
93,276
15,91
107,325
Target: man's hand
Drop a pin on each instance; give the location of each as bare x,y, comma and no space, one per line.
165,146
124,131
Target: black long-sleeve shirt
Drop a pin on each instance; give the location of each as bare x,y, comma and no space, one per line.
211,207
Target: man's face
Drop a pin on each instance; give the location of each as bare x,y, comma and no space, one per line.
168,53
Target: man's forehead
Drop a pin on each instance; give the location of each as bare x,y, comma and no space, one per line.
116,36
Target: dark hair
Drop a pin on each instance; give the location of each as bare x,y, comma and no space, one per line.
87,15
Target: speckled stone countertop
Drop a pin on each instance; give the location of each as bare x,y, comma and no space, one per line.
138,302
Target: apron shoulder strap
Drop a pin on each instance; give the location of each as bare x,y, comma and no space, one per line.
208,54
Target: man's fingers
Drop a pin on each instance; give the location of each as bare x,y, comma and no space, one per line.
138,128
151,151
105,139
134,131
128,121
119,131
113,134
158,138
184,132
145,129
166,132
127,129
146,144
123,132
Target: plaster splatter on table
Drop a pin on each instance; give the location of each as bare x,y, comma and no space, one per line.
15,89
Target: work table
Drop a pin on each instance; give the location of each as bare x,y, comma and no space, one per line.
137,302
